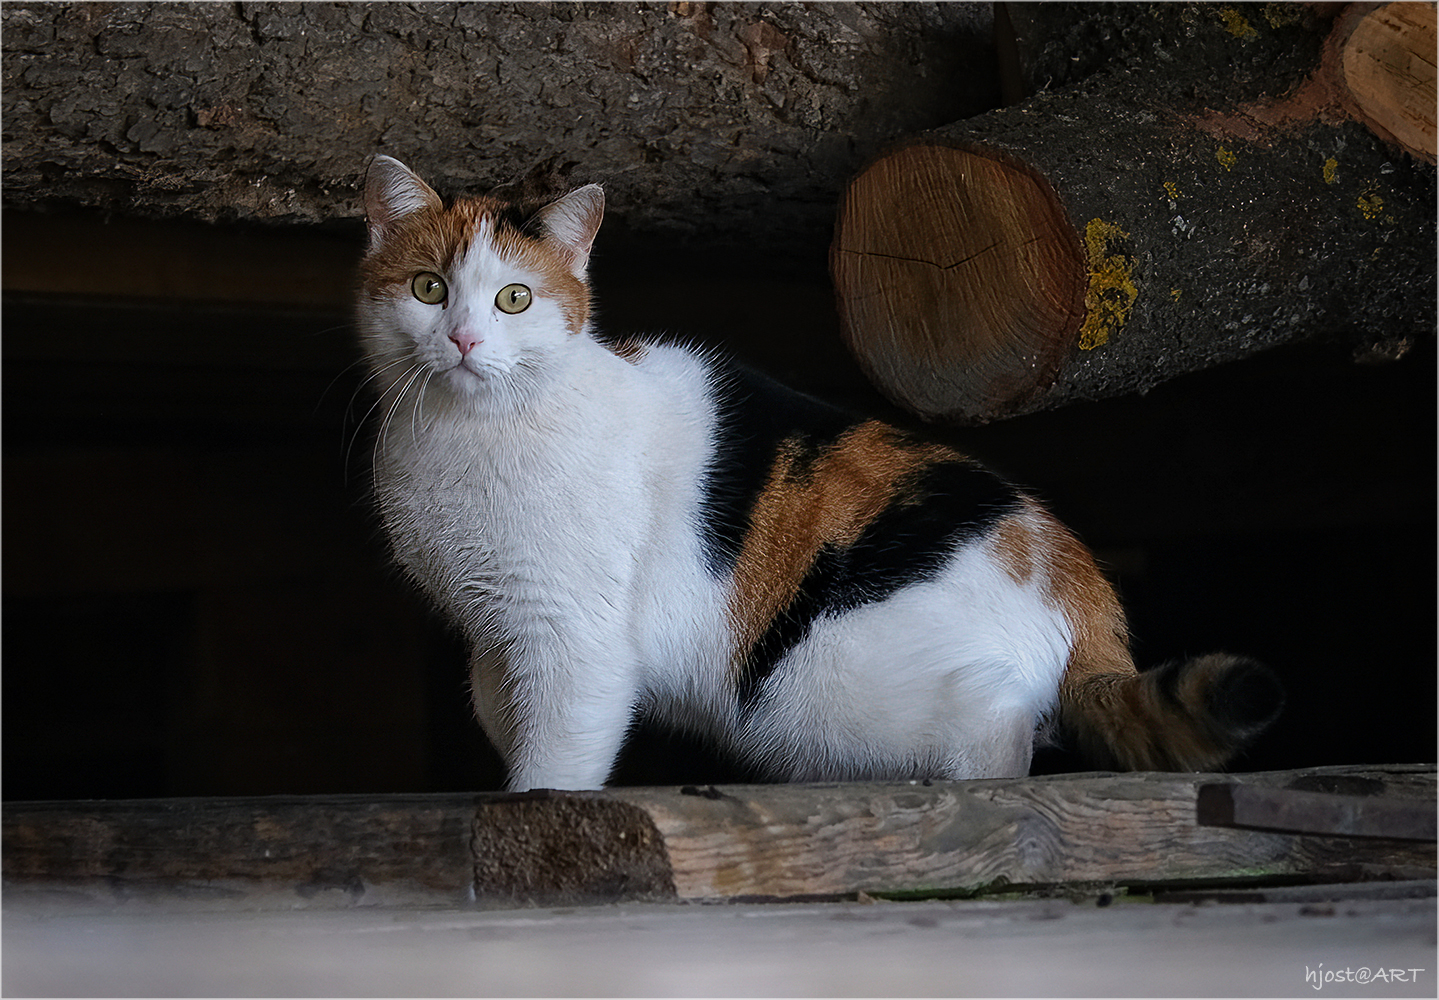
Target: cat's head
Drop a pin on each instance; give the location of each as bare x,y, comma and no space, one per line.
475,297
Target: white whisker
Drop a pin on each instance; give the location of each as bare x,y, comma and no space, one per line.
420,402
414,373
379,399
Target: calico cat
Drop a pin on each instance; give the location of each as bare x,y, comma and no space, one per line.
640,528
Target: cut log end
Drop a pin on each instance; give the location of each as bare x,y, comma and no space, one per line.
1388,65
960,281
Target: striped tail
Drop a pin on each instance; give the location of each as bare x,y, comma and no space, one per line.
1189,715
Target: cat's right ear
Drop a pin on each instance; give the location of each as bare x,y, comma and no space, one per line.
393,191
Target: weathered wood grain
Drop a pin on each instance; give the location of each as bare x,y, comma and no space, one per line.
317,850
715,843
970,836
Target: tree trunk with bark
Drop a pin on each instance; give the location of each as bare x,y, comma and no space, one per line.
1099,239
730,122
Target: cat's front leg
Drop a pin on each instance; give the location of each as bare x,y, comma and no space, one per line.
558,722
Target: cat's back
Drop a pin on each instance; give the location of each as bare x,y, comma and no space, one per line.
786,467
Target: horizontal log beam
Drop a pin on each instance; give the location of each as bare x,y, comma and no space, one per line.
701,119
732,842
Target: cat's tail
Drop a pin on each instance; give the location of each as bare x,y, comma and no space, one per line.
1189,715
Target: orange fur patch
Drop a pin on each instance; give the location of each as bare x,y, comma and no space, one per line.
1075,584
1013,544
810,501
630,349
1118,716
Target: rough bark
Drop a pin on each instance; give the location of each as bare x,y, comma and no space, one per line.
1385,78
1099,239
731,121
1059,44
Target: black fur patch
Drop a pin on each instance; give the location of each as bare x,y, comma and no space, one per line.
756,413
943,506
1246,698
950,504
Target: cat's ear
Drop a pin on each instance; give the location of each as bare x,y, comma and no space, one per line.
571,223
393,191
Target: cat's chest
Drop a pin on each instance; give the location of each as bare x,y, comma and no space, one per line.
476,515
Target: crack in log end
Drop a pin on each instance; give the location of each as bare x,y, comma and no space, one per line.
1111,293
943,267
566,849
982,277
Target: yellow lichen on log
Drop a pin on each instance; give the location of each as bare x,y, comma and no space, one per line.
1111,291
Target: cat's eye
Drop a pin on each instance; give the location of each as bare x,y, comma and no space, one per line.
513,299
429,288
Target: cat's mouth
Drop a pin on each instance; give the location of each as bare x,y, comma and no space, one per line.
467,369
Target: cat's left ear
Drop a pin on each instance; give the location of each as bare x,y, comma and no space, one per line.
572,221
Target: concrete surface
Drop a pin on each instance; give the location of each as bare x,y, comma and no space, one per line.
973,948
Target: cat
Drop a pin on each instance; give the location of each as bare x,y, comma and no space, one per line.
641,528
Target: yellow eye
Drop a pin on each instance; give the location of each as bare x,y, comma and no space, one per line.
513,299
429,288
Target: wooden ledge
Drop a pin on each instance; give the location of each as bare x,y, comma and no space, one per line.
730,842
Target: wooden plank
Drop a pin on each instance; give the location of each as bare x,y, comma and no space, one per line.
979,835
1314,812
734,842
286,850
1019,948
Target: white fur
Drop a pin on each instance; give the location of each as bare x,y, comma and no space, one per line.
546,493
946,678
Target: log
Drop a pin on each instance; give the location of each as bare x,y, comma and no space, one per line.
703,120
1299,811
730,842
1387,62
1099,239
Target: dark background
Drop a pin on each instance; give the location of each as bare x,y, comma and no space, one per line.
197,601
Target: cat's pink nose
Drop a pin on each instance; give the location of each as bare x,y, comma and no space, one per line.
466,341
